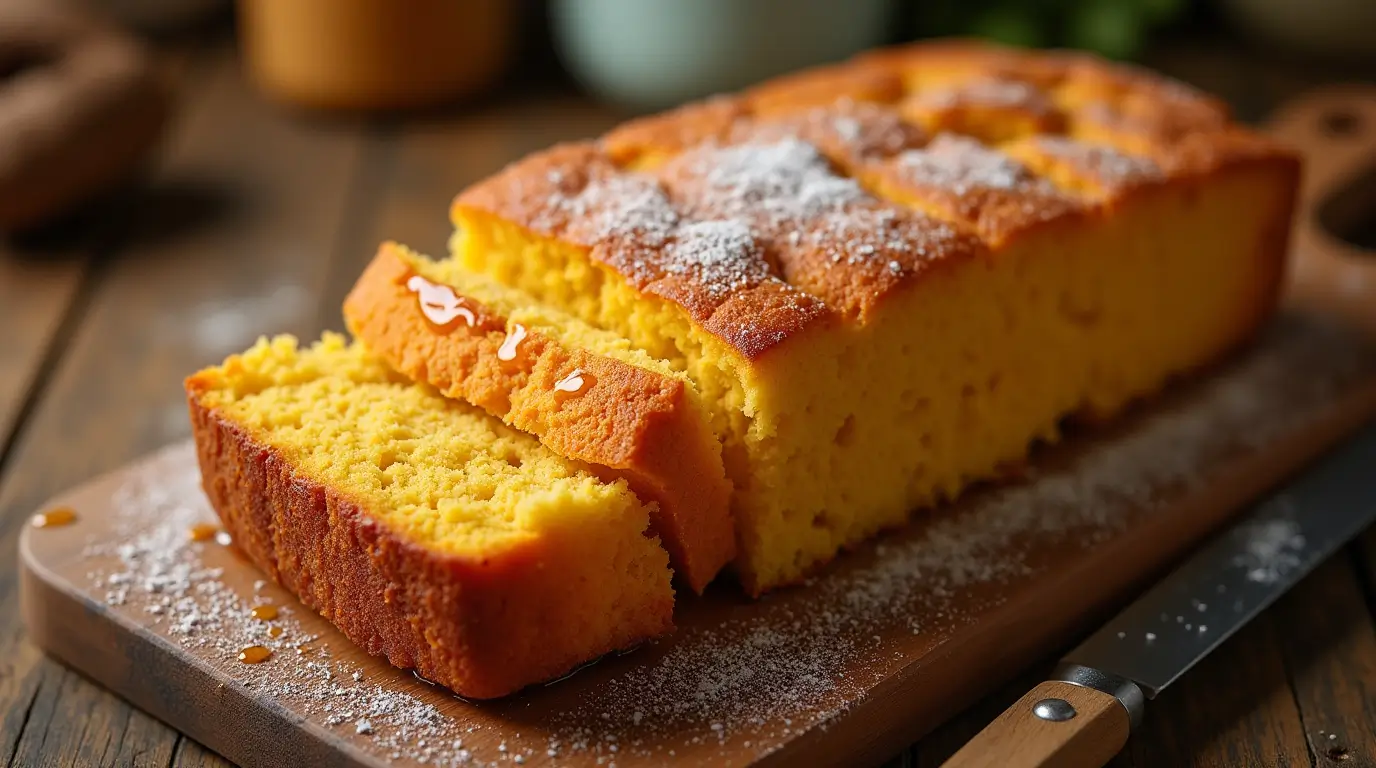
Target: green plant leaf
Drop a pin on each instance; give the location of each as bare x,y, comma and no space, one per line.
1114,29
1011,25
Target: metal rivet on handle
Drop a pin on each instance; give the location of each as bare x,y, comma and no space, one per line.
1055,710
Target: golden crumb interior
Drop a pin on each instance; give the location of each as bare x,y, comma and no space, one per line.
437,471
517,306
560,278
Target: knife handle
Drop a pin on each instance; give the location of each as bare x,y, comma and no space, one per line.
1085,729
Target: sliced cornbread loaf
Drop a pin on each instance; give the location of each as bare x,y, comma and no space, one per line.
423,528
889,278
584,392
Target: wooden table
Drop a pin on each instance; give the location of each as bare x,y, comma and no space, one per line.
256,220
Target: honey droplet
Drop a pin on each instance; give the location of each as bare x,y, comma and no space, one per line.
571,383
265,612
203,531
54,518
274,631
508,349
223,538
438,303
254,654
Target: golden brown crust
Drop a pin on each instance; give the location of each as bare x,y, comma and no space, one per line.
822,86
484,628
629,421
991,108
1038,137
627,225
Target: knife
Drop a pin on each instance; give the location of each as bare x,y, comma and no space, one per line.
1082,716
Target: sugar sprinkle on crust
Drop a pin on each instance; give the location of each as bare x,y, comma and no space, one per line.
798,160
987,92
1106,167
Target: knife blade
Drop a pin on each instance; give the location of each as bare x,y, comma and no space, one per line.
1083,715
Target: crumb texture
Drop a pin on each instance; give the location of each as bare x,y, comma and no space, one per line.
427,531
584,392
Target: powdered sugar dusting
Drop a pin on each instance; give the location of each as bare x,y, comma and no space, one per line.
721,255
802,209
1273,549
854,131
781,182
621,206
990,92
154,571
1106,165
749,675
961,165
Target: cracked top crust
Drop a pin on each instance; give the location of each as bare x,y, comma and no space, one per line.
808,199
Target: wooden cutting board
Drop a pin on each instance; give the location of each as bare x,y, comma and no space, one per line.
845,670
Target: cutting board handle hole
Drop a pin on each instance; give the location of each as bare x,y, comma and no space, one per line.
1349,213
1340,123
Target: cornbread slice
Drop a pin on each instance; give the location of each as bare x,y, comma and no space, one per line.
473,339
891,277
426,530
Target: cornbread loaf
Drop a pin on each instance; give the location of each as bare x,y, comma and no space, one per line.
889,278
584,392
426,530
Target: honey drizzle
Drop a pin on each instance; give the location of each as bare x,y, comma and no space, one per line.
507,352
203,531
440,305
264,612
54,518
274,631
254,654
571,383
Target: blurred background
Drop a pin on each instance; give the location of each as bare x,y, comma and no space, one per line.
90,88
178,177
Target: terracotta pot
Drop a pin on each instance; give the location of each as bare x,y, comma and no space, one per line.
375,54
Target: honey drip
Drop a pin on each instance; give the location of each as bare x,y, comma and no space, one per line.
203,531
274,631
508,349
438,303
54,518
265,612
571,383
254,654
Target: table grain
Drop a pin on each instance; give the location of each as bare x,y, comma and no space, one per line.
254,219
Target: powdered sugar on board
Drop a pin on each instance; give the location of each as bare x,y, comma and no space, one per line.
738,678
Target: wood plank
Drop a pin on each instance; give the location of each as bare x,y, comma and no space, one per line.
871,654
190,754
1235,708
1329,640
37,286
103,730
249,205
